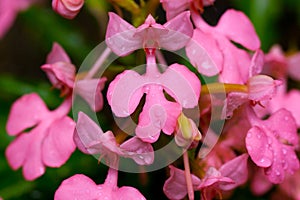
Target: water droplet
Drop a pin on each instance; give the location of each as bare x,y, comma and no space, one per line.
249,148
286,118
277,173
262,160
141,157
284,151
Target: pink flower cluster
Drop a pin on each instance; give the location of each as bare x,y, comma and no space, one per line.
257,146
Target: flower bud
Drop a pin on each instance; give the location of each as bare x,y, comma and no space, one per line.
67,8
262,87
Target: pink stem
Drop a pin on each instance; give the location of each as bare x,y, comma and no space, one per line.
151,69
112,177
64,108
188,176
98,63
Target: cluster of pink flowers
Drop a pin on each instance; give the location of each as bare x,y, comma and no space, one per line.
258,144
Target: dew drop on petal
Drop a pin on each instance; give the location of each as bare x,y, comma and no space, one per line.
286,118
249,148
284,151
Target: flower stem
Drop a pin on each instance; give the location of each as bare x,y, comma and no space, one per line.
98,63
213,88
188,176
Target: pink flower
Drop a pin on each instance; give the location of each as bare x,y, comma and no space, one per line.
175,186
271,144
90,139
122,38
158,113
48,143
60,70
67,8
81,187
61,73
8,12
174,7
260,88
212,51
229,176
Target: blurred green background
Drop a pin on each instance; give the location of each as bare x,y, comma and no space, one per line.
24,48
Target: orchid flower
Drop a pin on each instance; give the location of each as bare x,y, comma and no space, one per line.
230,175
260,89
61,73
83,188
158,113
271,144
48,143
67,8
90,139
211,50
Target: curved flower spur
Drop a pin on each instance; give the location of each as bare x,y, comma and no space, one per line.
127,89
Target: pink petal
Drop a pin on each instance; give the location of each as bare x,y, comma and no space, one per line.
90,91
86,132
285,126
213,178
158,114
25,113
290,102
9,11
260,183
237,27
58,145
33,166
262,87
203,55
57,54
285,161
175,187
257,144
16,152
141,152
233,101
235,69
257,63
60,74
124,93
186,91
173,7
127,192
120,36
67,8
180,30
79,187
293,66
237,170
